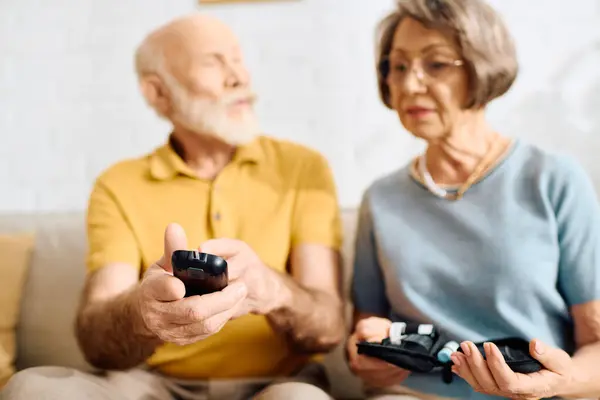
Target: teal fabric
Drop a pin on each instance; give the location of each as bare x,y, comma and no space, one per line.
508,259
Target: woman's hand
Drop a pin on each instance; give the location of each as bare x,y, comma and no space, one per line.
493,376
373,372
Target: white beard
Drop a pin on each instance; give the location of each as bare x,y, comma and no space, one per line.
210,117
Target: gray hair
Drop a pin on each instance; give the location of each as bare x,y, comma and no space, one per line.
486,45
149,58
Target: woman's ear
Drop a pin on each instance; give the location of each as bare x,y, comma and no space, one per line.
156,94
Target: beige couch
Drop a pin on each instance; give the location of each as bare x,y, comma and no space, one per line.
54,280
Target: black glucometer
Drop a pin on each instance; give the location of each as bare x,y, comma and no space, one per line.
201,273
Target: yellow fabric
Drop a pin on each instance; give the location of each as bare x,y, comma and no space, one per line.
15,252
273,195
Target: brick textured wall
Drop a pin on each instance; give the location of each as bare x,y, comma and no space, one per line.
69,105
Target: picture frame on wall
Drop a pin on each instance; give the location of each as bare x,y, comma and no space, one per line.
238,1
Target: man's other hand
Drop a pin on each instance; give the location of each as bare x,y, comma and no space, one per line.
246,267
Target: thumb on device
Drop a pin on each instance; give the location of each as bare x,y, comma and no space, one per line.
373,329
552,358
174,239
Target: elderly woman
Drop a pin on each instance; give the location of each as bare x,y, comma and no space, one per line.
484,236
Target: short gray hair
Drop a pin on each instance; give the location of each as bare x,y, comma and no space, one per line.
487,47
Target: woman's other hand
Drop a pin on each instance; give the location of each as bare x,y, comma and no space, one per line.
493,376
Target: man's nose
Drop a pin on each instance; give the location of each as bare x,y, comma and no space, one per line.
235,76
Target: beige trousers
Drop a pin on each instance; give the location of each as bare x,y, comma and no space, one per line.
400,393
58,383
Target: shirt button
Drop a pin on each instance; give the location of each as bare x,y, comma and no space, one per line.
218,216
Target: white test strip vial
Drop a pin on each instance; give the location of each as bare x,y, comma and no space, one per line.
397,332
444,354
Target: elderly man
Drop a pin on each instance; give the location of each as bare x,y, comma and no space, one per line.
268,206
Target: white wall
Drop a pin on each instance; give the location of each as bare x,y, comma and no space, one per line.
69,105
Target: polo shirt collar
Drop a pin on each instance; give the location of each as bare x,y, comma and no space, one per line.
166,164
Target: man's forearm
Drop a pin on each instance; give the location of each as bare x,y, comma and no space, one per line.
312,320
111,333
586,376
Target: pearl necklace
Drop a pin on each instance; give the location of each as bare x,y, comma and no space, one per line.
428,180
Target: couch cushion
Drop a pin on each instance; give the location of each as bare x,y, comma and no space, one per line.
349,222
51,293
15,252
344,384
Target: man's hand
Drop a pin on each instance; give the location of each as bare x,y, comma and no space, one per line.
245,266
374,372
492,375
165,312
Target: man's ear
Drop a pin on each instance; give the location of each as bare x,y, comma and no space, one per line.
156,94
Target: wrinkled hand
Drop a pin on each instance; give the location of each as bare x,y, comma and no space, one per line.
165,312
245,266
373,372
492,375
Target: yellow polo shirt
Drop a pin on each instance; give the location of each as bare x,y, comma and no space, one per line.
273,195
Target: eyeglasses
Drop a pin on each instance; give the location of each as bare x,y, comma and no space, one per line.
430,68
